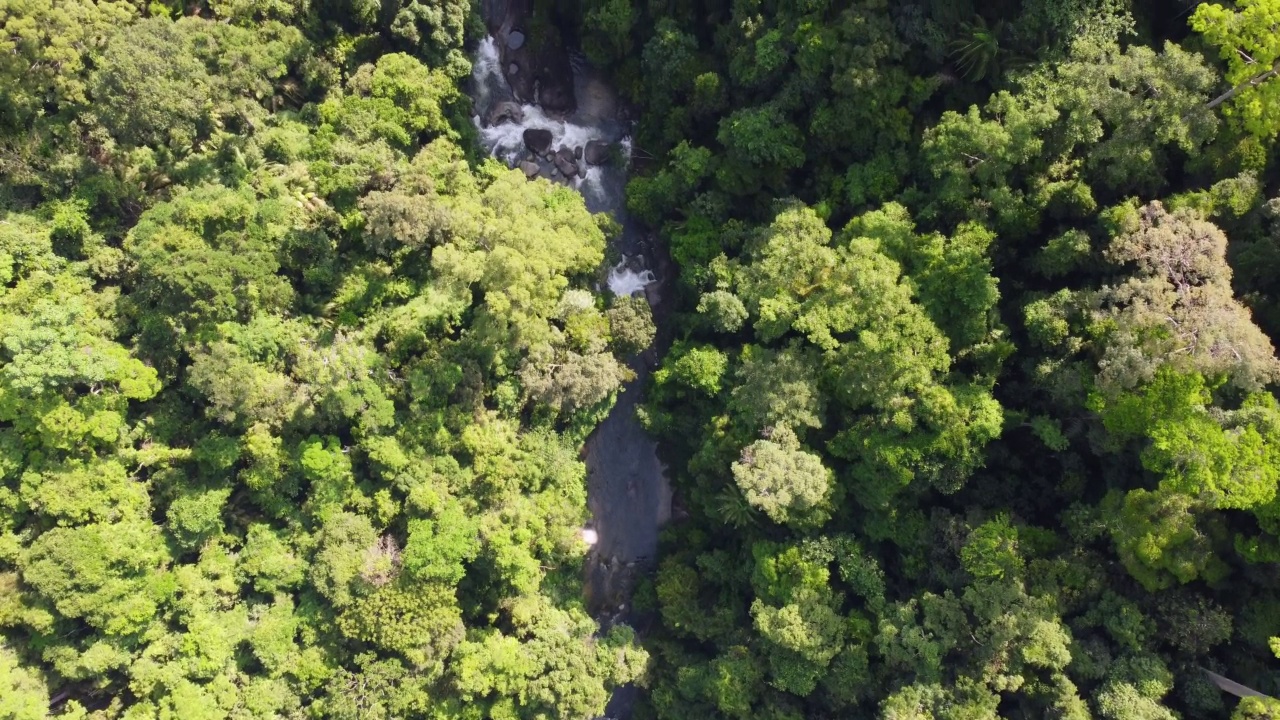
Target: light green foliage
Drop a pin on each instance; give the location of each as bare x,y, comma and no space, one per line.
210,255
75,492
1158,539
553,670
723,310
795,612
107,574
344,548
153,87
953,275
1247,42
270,561
420,621
61,340
698,368
777,389
197,514
790,485
48,48
1256,708
1123,700
1225,462
437,549
1094,117
23,694
378,690
247,12
397,100
992,551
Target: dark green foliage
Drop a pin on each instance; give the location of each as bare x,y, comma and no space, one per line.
931,308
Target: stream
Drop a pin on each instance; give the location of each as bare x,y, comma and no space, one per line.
627,490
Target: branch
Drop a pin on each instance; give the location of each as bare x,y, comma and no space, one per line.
1251,82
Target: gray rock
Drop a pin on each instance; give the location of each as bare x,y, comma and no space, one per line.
503,112
530,169
565,162
515,39
577,153
596,152
513,69
539,141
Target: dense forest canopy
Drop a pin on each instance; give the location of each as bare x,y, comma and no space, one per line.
969,404
292,381
971,398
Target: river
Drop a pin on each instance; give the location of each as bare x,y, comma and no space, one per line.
627,490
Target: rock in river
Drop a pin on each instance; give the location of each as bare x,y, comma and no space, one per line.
504,112
530,169
537,140
565,162
596,153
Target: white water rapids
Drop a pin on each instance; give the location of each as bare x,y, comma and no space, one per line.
626,281
505,141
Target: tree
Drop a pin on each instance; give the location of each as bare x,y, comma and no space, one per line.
776,389
208,256
1177,308
631,327
1248,44
48,49
436,28
991,551
790,485
23,695
107,574
151,88
1158,538
795,612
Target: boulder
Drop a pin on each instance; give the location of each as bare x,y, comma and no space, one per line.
530,169
539,141
596,152
503,112
513,69
565,162
577,153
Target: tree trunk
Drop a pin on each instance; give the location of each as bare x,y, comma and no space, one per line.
1251,82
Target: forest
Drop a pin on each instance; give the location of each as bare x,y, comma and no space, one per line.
968,398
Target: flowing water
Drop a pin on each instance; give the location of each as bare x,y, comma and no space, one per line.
627,491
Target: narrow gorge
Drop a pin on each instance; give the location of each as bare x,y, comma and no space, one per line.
543,109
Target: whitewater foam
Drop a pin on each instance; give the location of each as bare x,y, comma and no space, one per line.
506,140
625,281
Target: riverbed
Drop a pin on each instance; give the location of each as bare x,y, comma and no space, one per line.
628,494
